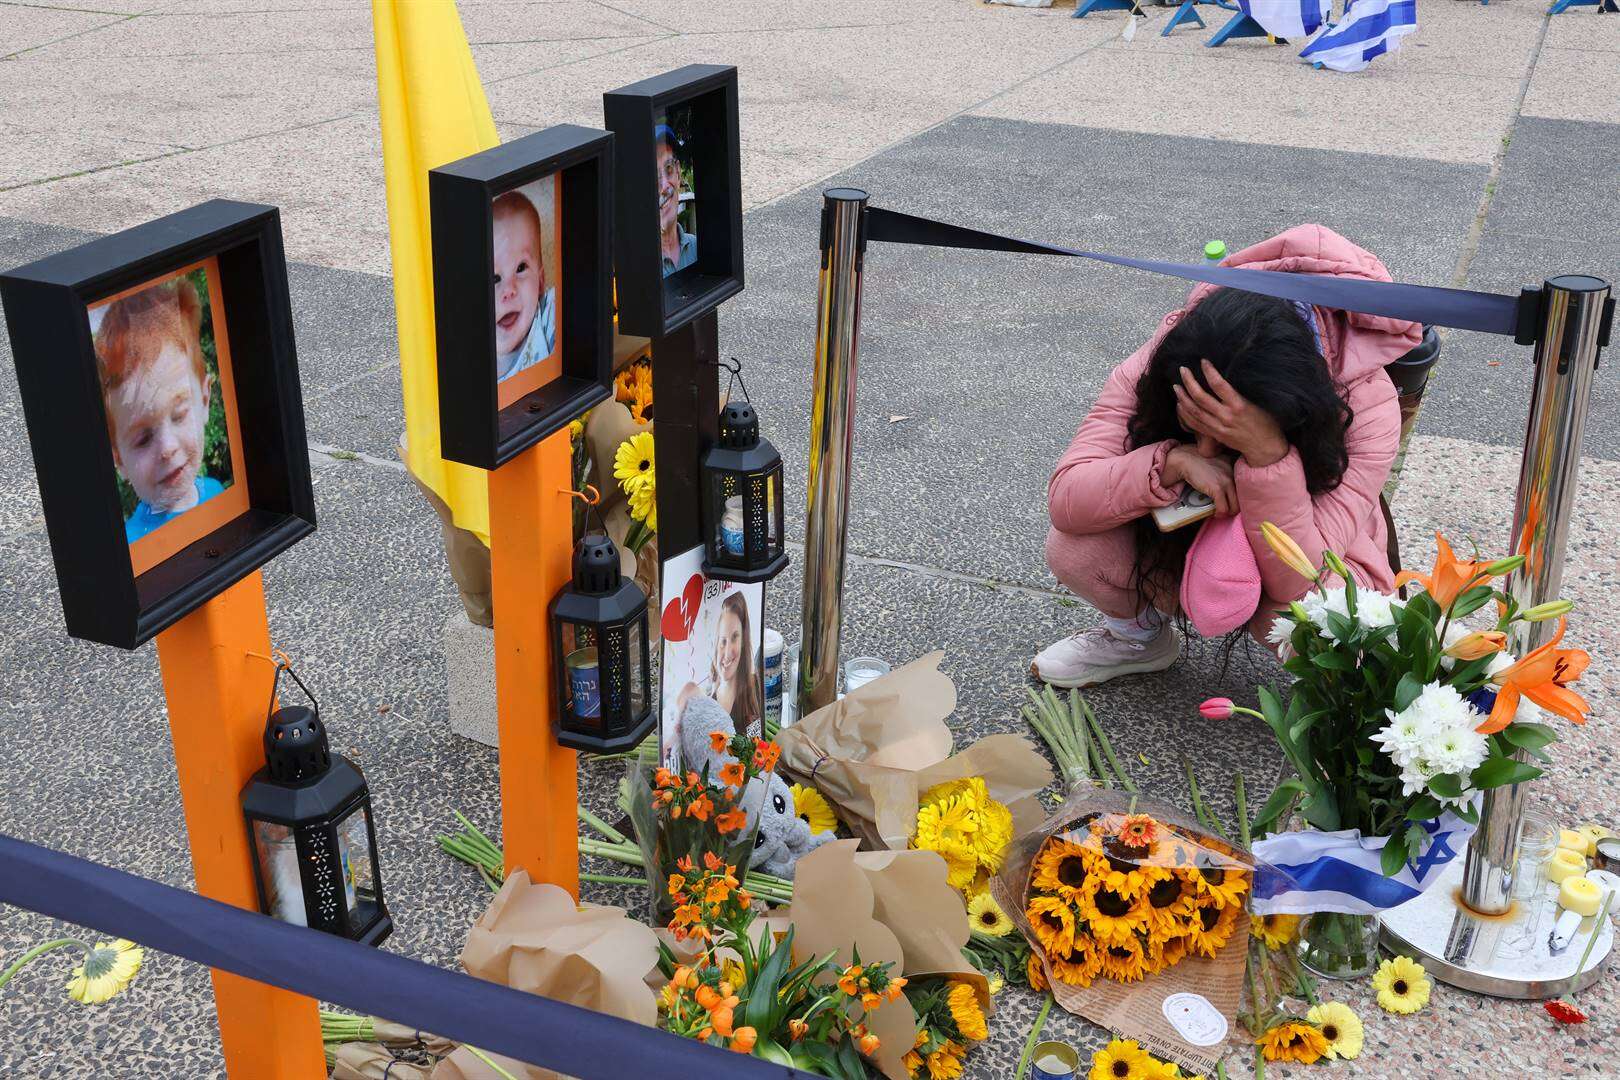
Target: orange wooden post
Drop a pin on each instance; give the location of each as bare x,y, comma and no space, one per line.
218,698
531,543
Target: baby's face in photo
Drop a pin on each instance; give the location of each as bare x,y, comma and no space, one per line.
519,279
159,412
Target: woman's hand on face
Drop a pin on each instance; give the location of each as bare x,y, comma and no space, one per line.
1212,476
1228,417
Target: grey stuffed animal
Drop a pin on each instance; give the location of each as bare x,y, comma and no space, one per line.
783,836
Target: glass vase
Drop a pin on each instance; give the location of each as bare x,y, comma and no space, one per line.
1334,945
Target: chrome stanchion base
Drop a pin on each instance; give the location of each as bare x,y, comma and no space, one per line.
1508,956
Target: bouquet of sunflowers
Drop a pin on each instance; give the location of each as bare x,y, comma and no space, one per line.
1124,896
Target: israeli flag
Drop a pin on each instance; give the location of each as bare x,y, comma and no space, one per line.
1369,28
1303,872
1297,19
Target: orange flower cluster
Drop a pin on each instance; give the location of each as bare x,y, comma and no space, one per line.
693,798
633,386
705,898
699,1010
1129,897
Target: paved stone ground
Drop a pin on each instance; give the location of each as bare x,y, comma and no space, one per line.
1485,153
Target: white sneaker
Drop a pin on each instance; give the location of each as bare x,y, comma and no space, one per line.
1097,655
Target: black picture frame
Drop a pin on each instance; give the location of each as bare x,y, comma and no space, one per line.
46,308
650,304
473,429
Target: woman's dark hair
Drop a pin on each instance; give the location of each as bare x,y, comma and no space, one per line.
1264,348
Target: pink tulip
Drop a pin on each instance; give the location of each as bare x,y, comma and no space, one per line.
1216,708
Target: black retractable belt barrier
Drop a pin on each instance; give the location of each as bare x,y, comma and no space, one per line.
1491,313
551,1034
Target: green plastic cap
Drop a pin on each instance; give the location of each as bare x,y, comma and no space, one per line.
1215,249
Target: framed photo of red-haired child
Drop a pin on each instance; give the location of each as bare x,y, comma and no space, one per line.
160,387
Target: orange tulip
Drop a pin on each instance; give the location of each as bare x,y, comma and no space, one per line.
1479,643
1451,576
1544,677
743,1040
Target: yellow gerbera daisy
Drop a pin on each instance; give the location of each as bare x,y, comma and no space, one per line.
1402,985
1122,1059
1062,867
986,916
963,1003
812,806
1293,1041
973,787
995,832
644,504
106,972
1112,917
633,462
1053,922
947,827
1274,930
1124,961
1340,1026
1078,967
1211,927
1228,884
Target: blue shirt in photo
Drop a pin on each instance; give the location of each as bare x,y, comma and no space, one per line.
144,519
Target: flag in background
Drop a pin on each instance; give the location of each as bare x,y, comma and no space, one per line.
1293,19
1369,28
1302,872
433,111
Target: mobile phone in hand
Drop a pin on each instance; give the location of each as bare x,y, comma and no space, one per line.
1193,506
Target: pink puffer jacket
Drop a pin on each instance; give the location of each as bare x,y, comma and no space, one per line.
1099,485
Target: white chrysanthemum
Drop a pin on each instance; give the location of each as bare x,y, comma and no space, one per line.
1456,749
1372,609
1280,635
1404,735
1434,734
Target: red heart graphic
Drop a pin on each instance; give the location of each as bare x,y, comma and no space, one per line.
681,613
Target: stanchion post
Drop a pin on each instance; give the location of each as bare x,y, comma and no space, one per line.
217,677
832,437
530,545
1571,332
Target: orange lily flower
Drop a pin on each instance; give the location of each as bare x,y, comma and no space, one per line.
1450,577
1478,644
1543,676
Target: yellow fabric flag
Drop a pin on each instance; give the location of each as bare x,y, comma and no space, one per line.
433,112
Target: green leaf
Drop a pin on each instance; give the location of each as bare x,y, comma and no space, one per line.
1321,809
1424,808
1529,736
1340,627
1468,813
1333,661
1394,854
1270,704
1499,771
1447,785
762,988
1303,724
1285,793
1407,691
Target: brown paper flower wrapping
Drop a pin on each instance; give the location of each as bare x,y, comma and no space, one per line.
874,753
372,1061
534,938
1135,1010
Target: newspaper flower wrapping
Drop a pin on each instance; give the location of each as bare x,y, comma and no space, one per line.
1124,916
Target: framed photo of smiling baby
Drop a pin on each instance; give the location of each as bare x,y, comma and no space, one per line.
160,388
522,291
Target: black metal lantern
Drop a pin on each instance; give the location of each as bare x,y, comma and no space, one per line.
309,826
742,501
599,646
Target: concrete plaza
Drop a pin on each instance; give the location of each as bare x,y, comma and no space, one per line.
1485,154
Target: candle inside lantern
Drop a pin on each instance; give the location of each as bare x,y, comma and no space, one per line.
585,683
731,526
